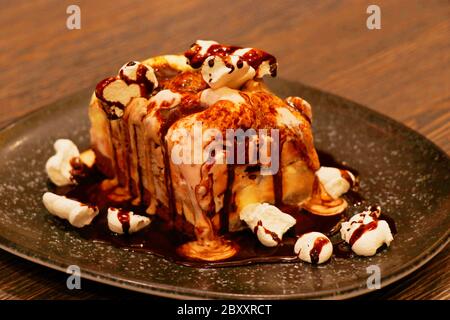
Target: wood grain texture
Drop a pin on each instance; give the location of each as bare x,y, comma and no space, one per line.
401,70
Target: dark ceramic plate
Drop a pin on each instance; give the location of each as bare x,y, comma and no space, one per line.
400,170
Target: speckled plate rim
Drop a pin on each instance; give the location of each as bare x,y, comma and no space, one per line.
176,292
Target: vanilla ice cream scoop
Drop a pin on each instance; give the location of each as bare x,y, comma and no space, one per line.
59,167
122,221
313,247
335,181
77,213
268,222
365,233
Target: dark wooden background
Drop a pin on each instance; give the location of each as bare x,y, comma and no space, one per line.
401,70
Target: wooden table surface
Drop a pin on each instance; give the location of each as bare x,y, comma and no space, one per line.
401,70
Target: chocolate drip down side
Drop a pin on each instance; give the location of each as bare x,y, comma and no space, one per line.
139,168
277,179
227,200
124,217
169,117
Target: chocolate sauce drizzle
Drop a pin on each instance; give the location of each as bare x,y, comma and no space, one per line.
277,180
227,200
79,170
141,78
169,117
272,234
315,251
124,217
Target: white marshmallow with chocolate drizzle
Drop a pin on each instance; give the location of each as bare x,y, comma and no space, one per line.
333,181
205,45
58,167
313,247
228,71
77,213
365,233
268,222
135,72
228,65
134,80
134,222
264,69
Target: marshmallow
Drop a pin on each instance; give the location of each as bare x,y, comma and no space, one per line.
204,45
165,99
226,60
313,247
268,222
136,72
210,96
58,167
135,80
115,95
121,221
77,213
266,67
88,158
228,71
371,233
334,182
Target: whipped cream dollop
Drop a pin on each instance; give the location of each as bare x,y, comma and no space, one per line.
365,233
122,221
268,222
77,213
335,181
59,167
229,66
313,247
134,80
